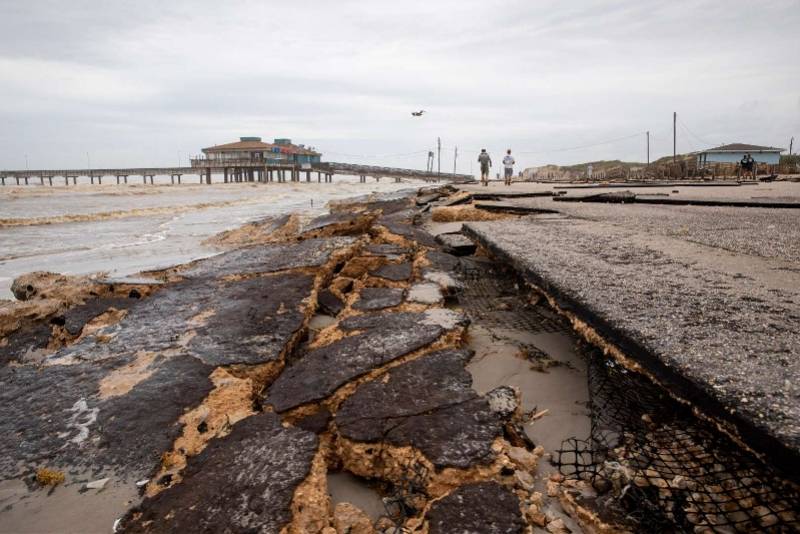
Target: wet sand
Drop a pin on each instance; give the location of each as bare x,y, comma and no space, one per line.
67,508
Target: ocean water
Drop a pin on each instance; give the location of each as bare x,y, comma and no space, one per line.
123,230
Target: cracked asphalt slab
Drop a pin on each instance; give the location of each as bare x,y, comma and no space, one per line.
320,372
268,258
719,330
55,416
243,482
424,403
485,507
209,388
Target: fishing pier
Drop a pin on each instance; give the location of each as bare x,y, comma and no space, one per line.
246,160
231,172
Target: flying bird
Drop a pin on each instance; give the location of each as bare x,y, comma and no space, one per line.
418,113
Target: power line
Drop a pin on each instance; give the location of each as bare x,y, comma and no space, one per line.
377,155
695,135
578,147
525,152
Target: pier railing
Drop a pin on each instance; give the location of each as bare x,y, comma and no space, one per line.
232,170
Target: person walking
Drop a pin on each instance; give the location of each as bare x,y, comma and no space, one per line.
508,166
486,162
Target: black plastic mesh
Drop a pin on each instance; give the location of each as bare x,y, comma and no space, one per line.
654,466
492,296
658,468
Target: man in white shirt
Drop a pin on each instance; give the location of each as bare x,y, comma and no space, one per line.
508,164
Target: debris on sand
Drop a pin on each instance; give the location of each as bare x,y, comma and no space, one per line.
49,477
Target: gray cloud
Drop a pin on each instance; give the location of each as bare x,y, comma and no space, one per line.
136,83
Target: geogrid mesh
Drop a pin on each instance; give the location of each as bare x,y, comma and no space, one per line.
658,468
492,296
654,465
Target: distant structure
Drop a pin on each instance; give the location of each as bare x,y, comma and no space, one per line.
254,150
733,153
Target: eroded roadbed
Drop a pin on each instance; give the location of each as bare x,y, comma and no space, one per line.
724,341
225,394
354,357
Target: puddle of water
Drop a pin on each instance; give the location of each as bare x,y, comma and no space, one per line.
562,390
320,321
344,487
66,508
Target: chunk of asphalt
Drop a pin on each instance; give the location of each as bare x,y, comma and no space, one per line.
399,225
316,422
75,318
485,507
424,404
396,272
442,261
269,258
320,372
457,243
28,340
613,197
55,415
243,482
253,320
329,303
343,223
378,298
427,199
246,321
441,317
388,251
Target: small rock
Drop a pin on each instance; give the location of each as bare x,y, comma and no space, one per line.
97,484
523,458
524,480
557,527
349,519
503,401
142,483
552,488
535,516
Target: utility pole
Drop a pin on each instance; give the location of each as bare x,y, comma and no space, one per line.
791,142
648,148
674,136
455,158
439,155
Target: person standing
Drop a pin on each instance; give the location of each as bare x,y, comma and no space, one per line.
486,162
508,166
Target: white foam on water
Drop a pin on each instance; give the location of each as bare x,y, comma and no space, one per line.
134,241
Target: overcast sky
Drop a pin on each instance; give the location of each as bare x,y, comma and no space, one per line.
150,83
